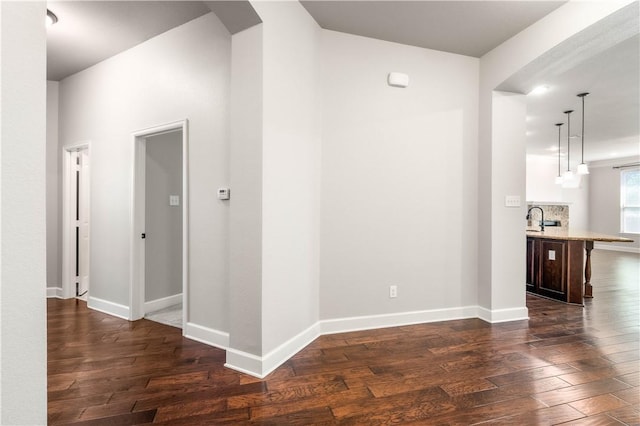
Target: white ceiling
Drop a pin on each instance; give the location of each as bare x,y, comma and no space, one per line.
470,28
91,31
612,109
88,32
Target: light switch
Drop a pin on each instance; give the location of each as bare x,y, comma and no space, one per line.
512,201
174,200
552,255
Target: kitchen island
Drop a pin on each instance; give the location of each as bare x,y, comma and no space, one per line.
555,258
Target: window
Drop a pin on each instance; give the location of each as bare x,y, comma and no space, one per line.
630,201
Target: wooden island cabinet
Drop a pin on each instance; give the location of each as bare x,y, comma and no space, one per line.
555,261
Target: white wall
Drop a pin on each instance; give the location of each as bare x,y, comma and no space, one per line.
163,222
541,174
23,339
183,73
398,178
496,236
54,194
604,202
508,248
291,171
245,221
578,201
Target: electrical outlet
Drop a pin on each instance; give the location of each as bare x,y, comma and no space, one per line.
393,291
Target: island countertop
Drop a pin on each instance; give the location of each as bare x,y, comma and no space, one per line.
556,233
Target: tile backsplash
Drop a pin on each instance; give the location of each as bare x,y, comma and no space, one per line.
551,212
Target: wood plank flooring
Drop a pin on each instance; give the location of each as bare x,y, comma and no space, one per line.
566,365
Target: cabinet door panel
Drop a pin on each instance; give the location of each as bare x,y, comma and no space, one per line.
552,281
532,264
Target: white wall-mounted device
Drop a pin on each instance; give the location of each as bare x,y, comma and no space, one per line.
224,193
398,79
512,201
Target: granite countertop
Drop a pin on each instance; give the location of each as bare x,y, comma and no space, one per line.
557,233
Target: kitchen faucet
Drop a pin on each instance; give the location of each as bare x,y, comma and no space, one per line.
541,212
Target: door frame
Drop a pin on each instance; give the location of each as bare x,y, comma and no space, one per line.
68,220
138,185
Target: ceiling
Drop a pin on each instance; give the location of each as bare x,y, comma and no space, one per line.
470,28
612,109
90,31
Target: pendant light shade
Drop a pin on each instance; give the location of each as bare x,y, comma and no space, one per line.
568,175
559,177
583,169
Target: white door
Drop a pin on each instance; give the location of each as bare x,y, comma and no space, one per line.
83,223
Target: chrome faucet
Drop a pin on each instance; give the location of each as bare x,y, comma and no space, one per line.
541,212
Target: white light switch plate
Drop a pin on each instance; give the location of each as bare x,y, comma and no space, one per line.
512,201
174,200
552,255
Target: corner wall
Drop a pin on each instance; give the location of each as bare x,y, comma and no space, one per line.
283,272
291,172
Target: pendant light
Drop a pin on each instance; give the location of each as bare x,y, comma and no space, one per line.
559,177
568,175
583,169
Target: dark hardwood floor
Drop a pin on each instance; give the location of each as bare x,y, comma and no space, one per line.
566,365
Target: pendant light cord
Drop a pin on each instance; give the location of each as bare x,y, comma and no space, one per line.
559,125
568,139
582,133
583,95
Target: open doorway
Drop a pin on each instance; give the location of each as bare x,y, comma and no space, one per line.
76,221
160,217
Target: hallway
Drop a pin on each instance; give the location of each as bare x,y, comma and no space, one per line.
565,364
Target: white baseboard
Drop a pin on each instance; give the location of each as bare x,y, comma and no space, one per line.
111,308
165,302
343,325
208,336
503,315
244,362
261,367
600,246
282,353
54,292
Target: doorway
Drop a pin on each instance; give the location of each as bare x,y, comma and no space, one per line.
76,194
159,283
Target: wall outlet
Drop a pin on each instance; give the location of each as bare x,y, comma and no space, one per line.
393,291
